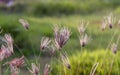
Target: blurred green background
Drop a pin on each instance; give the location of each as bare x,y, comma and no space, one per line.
43,14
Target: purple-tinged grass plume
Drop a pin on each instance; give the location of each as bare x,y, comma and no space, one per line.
61,36
111,20
35,69
47,69
45,41
24,23
114,48
84,39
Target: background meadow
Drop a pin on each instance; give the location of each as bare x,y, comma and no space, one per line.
42,15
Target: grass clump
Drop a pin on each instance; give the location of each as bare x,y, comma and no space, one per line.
82,62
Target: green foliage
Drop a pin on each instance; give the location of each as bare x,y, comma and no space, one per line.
40,27
17,8
82,62
10,24
64,7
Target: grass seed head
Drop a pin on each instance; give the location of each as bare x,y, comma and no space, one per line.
47,69
35,69
111,20
84,39
45,41
9,40
61,35
14,70
24,23
65,60
114,48
17,62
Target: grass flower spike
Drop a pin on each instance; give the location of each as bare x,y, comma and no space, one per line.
47,69
14,70
104,23
111,20
61,35
84,40
45,41
17,62
114,48
9,41
24,23
35,69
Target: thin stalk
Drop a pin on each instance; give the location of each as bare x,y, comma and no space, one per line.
32,47
6,71
111,65
117,66
107,48
22,54
100,41
94,68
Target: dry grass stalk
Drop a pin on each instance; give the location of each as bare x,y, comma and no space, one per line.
94,67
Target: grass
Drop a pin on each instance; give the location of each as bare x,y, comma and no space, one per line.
82,63
29,41
43,26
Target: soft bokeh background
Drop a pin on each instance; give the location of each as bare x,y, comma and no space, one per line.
43,14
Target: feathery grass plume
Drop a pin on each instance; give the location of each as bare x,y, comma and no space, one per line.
84,39
104,23
61,36
114,48
5,52
52,50
111,20
82,27
17,62
65,60
14,70
9,40
2,53
24,23
45,41
47,69
35,69
94,69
